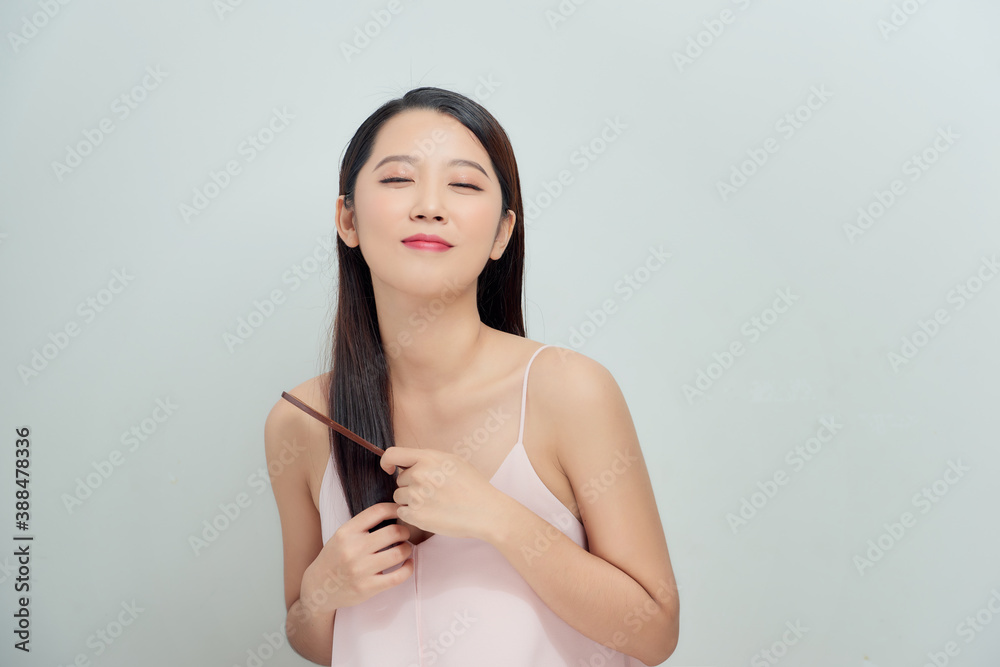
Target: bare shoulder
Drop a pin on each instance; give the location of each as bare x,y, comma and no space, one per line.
567,381
563,381
295,441
285,417
578,395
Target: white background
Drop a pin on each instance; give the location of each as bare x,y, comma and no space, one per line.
890,88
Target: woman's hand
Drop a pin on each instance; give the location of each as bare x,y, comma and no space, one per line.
349,568
442,493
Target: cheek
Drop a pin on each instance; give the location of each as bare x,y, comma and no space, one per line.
379,207
376,214
486,213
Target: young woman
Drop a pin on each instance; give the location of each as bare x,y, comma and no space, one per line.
455,547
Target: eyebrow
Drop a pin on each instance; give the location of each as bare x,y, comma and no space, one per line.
410,160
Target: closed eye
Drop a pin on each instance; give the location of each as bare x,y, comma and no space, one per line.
397,179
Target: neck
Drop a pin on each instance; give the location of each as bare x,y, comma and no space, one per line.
431,341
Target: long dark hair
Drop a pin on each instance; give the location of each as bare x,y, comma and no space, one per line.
360,393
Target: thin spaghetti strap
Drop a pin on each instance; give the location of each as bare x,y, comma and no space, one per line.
524,391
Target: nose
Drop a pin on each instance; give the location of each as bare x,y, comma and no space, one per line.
428,205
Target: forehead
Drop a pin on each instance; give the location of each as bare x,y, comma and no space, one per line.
426,133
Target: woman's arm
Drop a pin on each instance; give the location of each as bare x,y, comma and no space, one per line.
285,443
621,593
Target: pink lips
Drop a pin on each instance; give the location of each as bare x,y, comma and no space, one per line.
426,242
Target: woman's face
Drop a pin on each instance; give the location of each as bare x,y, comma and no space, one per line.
427,174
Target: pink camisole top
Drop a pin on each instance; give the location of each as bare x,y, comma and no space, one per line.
464,605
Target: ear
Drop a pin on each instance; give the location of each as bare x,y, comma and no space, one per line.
345,224
504,231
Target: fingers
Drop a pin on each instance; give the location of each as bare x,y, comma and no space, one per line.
385,537
388,455
396,577
394,458
391,557
372,516
359,554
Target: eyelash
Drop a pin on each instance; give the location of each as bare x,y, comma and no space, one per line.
397,179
